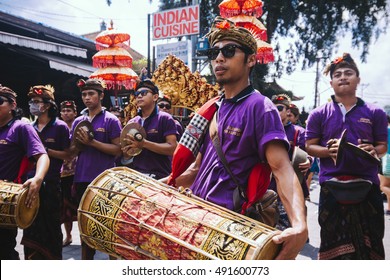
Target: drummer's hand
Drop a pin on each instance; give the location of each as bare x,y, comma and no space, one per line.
83,137
33,185
304,167
367,146
292,241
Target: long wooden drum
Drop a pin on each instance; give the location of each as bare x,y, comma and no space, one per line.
131,216
13,210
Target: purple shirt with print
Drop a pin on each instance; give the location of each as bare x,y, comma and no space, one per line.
91,162
364,121
246,124
17,139
55,135
157,126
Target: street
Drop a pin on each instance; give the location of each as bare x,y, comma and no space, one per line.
309,252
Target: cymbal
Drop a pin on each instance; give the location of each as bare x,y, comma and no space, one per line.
359,152
86,126
340,151
299,156
138,132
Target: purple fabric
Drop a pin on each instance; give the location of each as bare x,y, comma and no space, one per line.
55,135
17,139
245,125
364,121
157,126
91,162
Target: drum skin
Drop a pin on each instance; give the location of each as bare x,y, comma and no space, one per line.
131,216
13,210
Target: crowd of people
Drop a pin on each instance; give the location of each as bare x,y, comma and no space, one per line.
250,129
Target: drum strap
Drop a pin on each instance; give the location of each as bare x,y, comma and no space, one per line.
240,190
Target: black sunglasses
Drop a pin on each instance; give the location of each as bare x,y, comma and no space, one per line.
162,106
2,100
142,92
228,51
280,107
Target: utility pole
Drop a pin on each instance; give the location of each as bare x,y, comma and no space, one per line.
316,94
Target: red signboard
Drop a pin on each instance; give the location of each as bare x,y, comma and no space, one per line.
176,22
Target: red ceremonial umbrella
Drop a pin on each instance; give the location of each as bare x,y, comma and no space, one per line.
111,37
112,56
229,8
265,52
252,24
116,77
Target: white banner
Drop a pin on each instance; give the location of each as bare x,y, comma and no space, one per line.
176,22
180,49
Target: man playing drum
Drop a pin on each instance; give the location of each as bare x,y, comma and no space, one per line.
250,131
100,151
17,140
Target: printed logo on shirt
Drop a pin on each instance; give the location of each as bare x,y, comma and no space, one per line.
101,129
153,130
364,120
233,131
3,141
50,140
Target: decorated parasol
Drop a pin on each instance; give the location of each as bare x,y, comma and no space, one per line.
252,24
264,52
116,77
230,8
112,56
111,37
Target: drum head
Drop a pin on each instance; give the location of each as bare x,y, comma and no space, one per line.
138,133
86,126
25,216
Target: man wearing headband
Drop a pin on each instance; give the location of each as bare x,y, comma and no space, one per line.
18,140
165,105
352,224
69,209
250,131
43,239
161,134
100,151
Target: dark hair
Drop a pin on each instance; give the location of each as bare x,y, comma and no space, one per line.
53,110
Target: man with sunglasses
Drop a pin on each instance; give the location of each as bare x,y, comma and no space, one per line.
100,152
18,140
165,105
161,135
250,131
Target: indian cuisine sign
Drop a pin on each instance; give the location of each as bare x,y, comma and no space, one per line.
176,22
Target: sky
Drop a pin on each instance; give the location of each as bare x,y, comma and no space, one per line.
82,17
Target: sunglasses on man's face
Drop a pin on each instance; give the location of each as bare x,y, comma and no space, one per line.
2,100
163,105
227,51
141,92
280,108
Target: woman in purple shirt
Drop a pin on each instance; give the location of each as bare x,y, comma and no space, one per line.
43,239
17,140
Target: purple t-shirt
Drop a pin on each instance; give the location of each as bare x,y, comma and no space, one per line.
91,162
55,135
157,126
364,121
17,139
246,124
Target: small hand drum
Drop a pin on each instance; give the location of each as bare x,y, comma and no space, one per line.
138,132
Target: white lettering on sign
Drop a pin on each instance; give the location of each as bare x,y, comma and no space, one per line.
176,22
